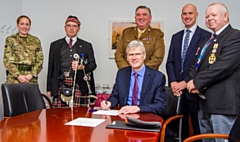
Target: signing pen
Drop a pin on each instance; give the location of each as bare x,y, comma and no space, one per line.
92,110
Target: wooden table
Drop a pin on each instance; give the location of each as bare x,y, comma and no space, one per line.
48,126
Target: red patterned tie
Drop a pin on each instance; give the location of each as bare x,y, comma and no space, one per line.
70,43
135,90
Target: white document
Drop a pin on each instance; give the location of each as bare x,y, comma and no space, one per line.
107,112
88,122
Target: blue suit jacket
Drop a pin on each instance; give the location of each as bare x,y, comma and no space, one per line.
152,98
173,64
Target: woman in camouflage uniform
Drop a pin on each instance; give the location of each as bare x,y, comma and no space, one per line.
23,57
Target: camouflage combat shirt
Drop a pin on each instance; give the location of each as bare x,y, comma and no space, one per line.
22,56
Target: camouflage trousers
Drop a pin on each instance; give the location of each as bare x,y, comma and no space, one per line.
77,100
13,80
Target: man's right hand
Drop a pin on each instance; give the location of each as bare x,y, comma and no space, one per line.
176,89
105,105
174,86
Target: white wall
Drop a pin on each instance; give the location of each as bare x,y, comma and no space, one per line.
48,17
9,11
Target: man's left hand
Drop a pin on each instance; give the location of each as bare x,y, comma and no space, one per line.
76,66
81,67
124,116
191,87
29,77
129,109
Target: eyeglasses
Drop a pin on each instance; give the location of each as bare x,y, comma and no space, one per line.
71,26
135,54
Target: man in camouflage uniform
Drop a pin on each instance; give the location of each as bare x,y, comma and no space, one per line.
152,39
23,57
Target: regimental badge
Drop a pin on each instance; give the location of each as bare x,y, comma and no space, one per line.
212,58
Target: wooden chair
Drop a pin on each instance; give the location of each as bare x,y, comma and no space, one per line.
22,98
233,136
172,113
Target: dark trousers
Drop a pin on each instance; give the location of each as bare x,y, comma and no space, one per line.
189,108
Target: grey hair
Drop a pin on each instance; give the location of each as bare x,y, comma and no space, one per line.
144,7
134,44
223,8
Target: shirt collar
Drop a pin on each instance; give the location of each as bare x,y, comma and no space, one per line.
142,31
219,31
74,39
141,71
192,29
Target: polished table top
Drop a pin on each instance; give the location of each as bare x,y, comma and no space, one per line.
48,125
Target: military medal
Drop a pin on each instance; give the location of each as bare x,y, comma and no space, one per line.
212,58
197,51
214,51
148,38
215,46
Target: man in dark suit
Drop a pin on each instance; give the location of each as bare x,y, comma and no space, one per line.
178,66
215,74
62,67
138,88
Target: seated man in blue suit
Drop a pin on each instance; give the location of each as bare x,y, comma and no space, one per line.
138,88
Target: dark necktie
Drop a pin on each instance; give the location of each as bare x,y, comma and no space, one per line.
135,90
70,43
185,47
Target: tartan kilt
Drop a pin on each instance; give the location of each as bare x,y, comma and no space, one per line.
77,100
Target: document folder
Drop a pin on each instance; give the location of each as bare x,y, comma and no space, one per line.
136,124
